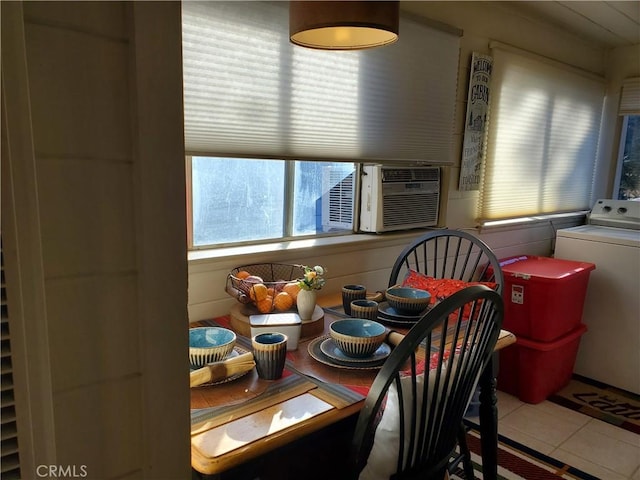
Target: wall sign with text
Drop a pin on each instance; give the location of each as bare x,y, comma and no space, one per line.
475,126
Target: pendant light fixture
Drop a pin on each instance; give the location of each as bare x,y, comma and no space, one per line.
346,25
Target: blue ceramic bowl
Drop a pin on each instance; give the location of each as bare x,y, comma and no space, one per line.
357,337
407,299
209,344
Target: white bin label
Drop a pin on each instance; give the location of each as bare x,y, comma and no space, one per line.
517,294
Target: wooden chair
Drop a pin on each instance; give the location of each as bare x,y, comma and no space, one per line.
450,254
411,417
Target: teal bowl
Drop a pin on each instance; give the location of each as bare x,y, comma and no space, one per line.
408,300
357,337
209,344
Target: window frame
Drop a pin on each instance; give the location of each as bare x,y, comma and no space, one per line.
531,155
629,106
414,126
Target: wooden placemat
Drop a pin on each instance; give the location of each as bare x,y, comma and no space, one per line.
207,418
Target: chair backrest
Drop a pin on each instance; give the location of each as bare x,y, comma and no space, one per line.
409,423
450,254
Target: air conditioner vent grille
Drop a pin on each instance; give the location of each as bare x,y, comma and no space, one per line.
338,186
408,210
341,200
410,175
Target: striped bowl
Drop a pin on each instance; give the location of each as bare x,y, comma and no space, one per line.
408,300
209,344
357,337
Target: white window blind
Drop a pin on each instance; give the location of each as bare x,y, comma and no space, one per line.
543,138
248,92
630,98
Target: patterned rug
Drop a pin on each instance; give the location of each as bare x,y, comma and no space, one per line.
518,462
601,401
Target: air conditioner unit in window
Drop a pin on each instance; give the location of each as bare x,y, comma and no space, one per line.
338,190
399,198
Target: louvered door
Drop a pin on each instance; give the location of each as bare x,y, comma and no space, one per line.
9,430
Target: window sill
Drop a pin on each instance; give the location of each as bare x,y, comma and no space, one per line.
203,256
556,221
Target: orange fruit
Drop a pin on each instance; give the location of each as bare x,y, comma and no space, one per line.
271,291
292,289
258,292
283,301
242,274
265,305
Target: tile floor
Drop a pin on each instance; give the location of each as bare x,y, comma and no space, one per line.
596,447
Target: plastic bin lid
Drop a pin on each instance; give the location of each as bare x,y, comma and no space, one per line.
526,266
555,344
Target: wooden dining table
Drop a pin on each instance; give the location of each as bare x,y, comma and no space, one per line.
239,419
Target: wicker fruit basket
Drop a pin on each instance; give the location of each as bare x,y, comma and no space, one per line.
268,286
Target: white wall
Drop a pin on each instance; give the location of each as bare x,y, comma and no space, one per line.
369,260
105,91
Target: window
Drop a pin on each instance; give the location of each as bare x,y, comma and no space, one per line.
268,123
543,137
629,178
628,173
242,200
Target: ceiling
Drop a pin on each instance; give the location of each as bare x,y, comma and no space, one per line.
608,24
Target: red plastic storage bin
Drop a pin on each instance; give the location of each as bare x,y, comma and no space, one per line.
543,297
533,371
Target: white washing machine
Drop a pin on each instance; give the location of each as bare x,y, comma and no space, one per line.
610,349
